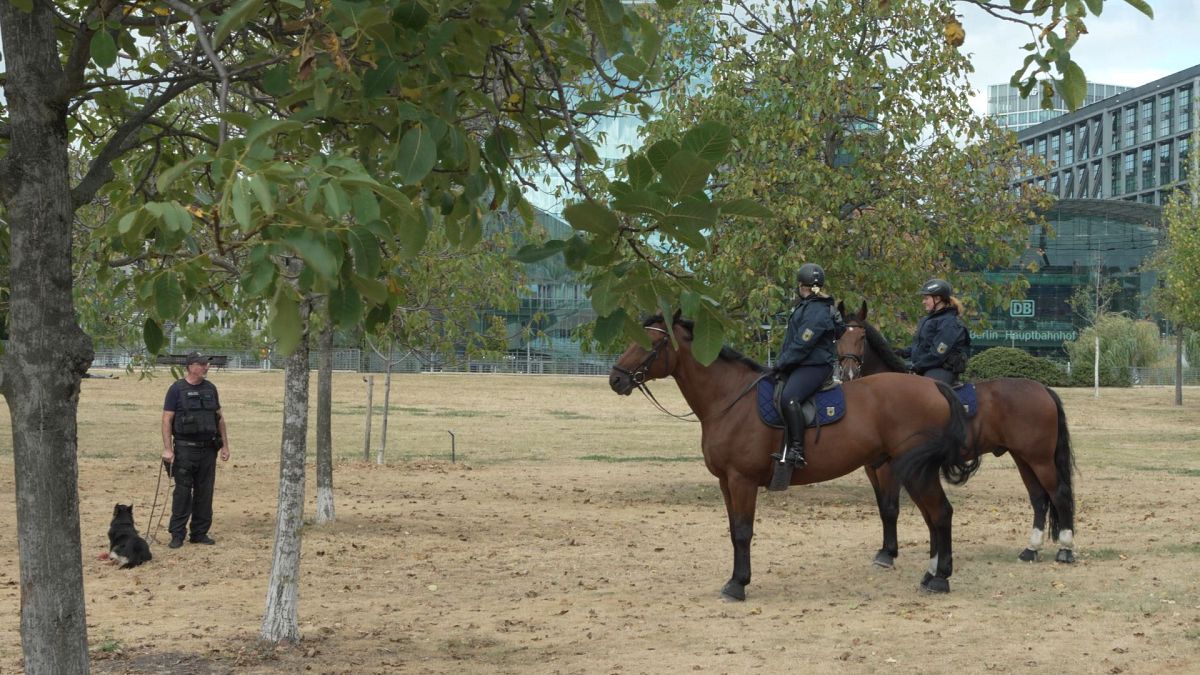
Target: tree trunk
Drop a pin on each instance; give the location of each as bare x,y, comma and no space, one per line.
387,396
1178,366
47,352
281,619
324,428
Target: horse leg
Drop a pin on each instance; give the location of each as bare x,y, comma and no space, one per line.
1040,499
887,497
931,499
741,496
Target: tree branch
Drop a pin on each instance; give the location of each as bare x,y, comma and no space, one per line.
123,139
218,65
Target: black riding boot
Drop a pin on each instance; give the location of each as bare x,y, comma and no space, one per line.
793,416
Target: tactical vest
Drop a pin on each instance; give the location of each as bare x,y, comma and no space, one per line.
198,419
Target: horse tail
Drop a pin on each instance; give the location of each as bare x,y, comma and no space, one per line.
944,450
1064,466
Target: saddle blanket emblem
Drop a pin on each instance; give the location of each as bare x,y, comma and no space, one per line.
830,405
966,396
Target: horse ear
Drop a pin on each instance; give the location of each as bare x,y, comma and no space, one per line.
675,317
862,313
841,308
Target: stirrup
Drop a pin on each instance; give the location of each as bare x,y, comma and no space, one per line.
790,457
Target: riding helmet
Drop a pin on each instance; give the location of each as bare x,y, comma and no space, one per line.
938,287
811,274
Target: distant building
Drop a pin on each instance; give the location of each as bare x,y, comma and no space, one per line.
1014,113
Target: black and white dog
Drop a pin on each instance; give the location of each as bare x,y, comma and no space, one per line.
126,547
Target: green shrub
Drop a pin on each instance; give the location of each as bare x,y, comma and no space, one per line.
1010,362
1083,375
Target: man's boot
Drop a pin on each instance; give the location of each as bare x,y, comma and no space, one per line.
793,415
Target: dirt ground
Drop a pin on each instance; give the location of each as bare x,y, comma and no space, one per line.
579,532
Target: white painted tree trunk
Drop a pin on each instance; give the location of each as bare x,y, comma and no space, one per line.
1096,367
47,353
281,620
387,396
325,512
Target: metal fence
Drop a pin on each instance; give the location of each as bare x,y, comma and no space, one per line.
358,360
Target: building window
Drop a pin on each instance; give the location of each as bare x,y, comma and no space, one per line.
1083,182
1147,121
1129,173
1055,157
1164,115
1097,137
1068,187
1164,164
1147,168
1183,112
1097,180
1116,130
1041,147
1184,165
1081,141
1129,127
1068,149
1115,165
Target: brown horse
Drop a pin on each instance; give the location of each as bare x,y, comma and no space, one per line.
1021,417
889,416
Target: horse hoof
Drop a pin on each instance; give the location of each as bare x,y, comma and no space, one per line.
1065,555
884,560
932,584
1028,555
734,591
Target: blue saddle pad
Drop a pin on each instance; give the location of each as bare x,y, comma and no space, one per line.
830,405
966,395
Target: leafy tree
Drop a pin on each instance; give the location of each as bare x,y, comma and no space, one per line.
1178,264
854,128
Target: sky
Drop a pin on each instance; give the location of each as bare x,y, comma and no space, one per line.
1123,46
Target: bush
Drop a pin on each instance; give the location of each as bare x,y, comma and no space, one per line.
1083,375
1010,362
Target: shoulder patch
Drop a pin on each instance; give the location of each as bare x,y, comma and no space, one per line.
806,335
942,347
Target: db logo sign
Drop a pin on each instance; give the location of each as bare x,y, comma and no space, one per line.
1021,308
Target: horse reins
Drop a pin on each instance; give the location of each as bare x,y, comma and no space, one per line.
638,375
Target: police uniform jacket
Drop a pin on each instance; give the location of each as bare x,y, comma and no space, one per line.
939,336
812,328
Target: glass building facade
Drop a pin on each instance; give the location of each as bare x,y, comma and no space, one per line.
1012,112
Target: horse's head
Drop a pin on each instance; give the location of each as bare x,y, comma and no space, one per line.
637,364
852,346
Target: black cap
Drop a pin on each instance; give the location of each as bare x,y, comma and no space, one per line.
196,357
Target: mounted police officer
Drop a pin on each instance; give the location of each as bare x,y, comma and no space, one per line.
193,431
939,348
807,356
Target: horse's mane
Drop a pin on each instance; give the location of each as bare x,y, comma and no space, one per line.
727,353
883,348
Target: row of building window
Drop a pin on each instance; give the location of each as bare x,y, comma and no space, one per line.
1145,169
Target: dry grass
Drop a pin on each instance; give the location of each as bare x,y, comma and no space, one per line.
580,532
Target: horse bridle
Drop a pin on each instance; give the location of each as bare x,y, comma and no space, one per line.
856,358
638,375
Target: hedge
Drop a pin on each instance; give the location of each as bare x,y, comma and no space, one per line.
1011,362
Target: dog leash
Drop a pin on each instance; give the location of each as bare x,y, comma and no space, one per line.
162,468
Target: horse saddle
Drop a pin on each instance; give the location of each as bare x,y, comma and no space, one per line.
827,406
966,396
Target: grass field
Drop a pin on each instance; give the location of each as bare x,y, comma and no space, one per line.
579,532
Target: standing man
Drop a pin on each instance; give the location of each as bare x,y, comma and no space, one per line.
193,429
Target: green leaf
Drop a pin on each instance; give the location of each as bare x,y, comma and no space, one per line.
744,207
315,254
710,141
609,328
266,126
708,336
592,217
531,253
1141,6
103,49
152,335
234,18
1074,85
686,174
418,154
1095,6
262,191
176,217
1018,5
285,320
240,201
260,273
365,248
604,298
631,66
345,306
640,170
667,5
373,290
168,296
166,178
660,153
605,28
411,232
642,201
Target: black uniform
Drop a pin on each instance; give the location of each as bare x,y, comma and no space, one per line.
808,354
939,349
197,439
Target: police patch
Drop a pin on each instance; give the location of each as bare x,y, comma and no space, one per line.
806,335
942,347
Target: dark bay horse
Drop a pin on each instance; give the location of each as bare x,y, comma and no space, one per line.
888,416
1021,417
